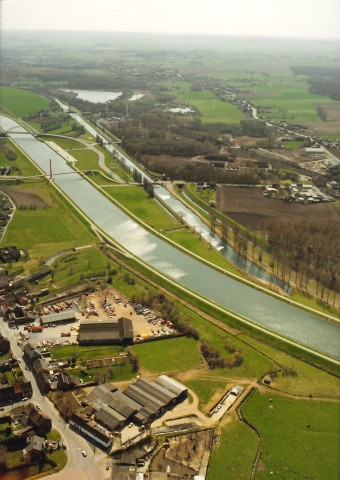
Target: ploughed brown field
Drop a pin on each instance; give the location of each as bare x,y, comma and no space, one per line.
22,198
249,207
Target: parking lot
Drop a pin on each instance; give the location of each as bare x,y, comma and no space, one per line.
106,304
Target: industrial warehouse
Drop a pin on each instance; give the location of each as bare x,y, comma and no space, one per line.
141,403
105,332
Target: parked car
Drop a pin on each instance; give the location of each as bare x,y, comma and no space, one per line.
84,453
107,466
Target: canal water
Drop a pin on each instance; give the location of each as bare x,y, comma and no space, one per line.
280,317
189,217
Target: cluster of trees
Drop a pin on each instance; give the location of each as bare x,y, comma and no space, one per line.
7,151
156,133
214,358
287,174
203,172
167,309
133,360
311,248
50,123
152,136
148,187
322,80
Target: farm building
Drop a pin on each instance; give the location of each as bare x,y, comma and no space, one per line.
171,385
113,408
57,318
141,402
105,332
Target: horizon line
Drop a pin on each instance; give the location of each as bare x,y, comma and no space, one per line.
172,34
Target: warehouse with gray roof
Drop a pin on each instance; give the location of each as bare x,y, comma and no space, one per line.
57,318
105,332
141,402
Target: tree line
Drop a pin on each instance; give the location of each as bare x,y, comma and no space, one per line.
311,248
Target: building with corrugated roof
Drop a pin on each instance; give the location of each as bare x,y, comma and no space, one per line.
57,318
105,332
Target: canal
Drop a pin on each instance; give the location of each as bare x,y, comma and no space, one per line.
279,317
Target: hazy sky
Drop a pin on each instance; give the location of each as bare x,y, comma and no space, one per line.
281,18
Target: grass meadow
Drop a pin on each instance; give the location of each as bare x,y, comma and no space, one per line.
138,202
211,108
290,449
291,102
22,102
232,458
168,355
45,230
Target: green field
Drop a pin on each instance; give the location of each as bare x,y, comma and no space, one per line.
292,145
291,102
308,379
289,449
233,457
22,102
22,164
138,202
168,355
84,264
46,229
205,386
211,108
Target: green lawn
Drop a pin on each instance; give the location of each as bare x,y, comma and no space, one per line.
291,450
86,159
138,202
206,386
66,143
233,457
53,435
168,355
100,179
84,353
117,373
21,102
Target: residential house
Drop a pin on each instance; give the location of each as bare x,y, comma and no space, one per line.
34,449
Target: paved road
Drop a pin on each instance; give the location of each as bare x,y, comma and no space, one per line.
78,468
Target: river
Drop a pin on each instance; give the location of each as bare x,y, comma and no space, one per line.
279,317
